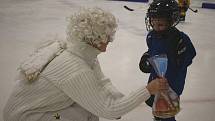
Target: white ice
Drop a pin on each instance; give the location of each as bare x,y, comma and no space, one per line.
25,23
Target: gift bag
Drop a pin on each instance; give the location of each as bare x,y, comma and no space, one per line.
166,103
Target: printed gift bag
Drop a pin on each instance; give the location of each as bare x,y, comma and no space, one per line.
166,103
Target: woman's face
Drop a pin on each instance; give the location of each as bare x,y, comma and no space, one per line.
102,46
159,24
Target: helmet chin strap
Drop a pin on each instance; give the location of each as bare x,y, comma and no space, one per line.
163,32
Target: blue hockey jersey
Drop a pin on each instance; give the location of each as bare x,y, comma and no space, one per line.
180,52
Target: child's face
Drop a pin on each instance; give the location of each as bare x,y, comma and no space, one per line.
159,24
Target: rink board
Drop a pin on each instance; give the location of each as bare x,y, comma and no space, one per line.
208,5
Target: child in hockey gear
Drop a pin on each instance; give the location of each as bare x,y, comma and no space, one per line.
183,6
164,38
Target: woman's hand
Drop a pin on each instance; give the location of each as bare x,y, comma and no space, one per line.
157,85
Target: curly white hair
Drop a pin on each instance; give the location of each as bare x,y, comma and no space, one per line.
91,25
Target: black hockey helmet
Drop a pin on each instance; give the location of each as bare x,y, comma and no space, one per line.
162,9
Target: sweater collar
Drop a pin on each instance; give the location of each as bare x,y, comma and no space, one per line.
85,51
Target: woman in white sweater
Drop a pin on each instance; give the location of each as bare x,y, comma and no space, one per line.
63,80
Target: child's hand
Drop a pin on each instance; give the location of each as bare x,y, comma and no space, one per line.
157,85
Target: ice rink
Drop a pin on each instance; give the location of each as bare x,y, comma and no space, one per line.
25,23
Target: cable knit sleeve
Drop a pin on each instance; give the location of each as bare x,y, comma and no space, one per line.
80,83
84,89
106,81
112,89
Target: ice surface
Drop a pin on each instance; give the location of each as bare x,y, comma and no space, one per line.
25,23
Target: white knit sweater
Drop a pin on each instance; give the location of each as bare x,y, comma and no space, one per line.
73,76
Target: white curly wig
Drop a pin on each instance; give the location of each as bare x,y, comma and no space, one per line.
91,26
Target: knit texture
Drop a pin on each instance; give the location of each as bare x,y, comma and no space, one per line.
73,76
84,84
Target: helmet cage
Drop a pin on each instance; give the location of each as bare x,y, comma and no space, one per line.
162,9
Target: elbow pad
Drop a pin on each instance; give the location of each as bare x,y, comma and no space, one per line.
144,64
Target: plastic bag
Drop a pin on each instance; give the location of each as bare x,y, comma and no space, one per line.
166,103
